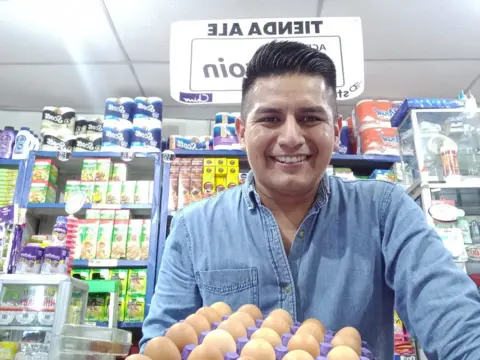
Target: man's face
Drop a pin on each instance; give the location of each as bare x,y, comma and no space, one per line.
288,132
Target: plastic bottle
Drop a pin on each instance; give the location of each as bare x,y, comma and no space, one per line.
23,144
7,139
36,142
60,230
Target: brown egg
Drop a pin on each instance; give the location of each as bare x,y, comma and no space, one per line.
298,355
203,352
318,323
305,342
182,334
347,340
269,335
221,340
138,357
209,314
252,310
279,324
245,318
161,345
222,308
234,328
349,332
342,353
198,322
312,329
258,349
284,314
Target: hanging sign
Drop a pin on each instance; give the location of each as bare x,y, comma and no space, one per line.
208,58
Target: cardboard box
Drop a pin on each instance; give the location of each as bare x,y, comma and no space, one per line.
103,170
71,187
220,162
87,189
119,172
233,162
44,170
142,192
104,239
232,176
42,193
89,167
184,187
119,239
173,188
127,195
135,309
88,233
209,162
196,183
208,182
145,239
114,192
134,242
100,193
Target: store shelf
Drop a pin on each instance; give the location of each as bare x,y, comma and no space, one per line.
10,163
121,324
211,153
109,263
25,328
57,209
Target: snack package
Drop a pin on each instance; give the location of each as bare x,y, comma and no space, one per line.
134,243
119,172
137,281
145,239
114,192
142,192
88,232
97,307
44,170
127,195
196,183
104,240
30,260
107,214
184,187
173,188
89,167
71,187
135,308
87,189
122,214
220,175
81,274
119,241
42,193
122,276
103,170
93,214
232,176
99,274
208,181
55,260
100,193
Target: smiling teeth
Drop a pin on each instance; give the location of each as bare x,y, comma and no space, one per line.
290,159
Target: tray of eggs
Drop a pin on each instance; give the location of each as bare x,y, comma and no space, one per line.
215,333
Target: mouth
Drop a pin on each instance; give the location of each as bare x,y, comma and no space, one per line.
298,159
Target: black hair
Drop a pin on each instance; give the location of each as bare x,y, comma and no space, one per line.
288,57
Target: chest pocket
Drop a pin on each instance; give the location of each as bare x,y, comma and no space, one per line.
235,287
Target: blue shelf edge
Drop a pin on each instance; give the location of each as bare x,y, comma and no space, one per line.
89,206
122,324
10,162
110,154
121,263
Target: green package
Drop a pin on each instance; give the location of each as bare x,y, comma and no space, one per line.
122,276
87,190
137,281
135,308
81,274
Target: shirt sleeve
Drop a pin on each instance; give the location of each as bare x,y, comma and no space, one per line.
176,292
437,301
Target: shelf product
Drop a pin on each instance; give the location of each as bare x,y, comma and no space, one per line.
8,179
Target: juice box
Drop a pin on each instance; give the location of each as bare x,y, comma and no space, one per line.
92,214
135,309
42,193
114,192
100,193
119,172
119,241
208,181
127,195
107,214
137,281
145,239
104,239
87,189
99,274
122,214
134,242
82,274
232,176
71,187
142,192
103,170
122,276
44,170
88,232
89,167
173,188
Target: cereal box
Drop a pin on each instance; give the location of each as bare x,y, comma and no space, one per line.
88,232
92,214
208,181
100,193
44,170
173,189
107,214
137,281
42,193
127,195
196,183
135,308
71,187
99,274
87,189
134,239
89,167
119,241
145,239
122,214
104,239
114,192
103,170
232,176
220,176
119,172
184,187
122,276
142,192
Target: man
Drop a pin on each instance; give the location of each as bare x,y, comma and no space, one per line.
317,246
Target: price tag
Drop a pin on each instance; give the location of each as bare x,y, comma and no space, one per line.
408,357
103,263
107,206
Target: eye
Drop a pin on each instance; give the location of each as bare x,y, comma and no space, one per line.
270,120
310,119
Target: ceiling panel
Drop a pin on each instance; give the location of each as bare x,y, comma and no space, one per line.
144,26
59,31
414,29
83,87
155,80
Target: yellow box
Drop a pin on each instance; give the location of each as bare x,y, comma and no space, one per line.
220,161
208,181
232,176
220,183
220,170
209,162
232,162
8,350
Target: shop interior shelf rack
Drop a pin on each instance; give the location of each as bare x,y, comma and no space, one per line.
41,216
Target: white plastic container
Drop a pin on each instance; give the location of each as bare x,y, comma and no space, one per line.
23,144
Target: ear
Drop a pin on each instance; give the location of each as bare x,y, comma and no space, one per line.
240,129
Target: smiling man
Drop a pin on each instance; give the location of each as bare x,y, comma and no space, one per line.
294,238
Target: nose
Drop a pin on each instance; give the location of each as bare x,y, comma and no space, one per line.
291,133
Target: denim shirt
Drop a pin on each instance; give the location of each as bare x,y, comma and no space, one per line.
363,246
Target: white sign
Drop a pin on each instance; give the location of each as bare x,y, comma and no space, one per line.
208,59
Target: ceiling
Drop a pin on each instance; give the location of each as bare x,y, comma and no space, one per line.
79,52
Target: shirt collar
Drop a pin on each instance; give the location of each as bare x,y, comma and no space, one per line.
251,197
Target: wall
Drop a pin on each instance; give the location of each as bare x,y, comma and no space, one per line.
170,126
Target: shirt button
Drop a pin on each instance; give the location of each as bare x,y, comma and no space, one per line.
301,234
286,287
